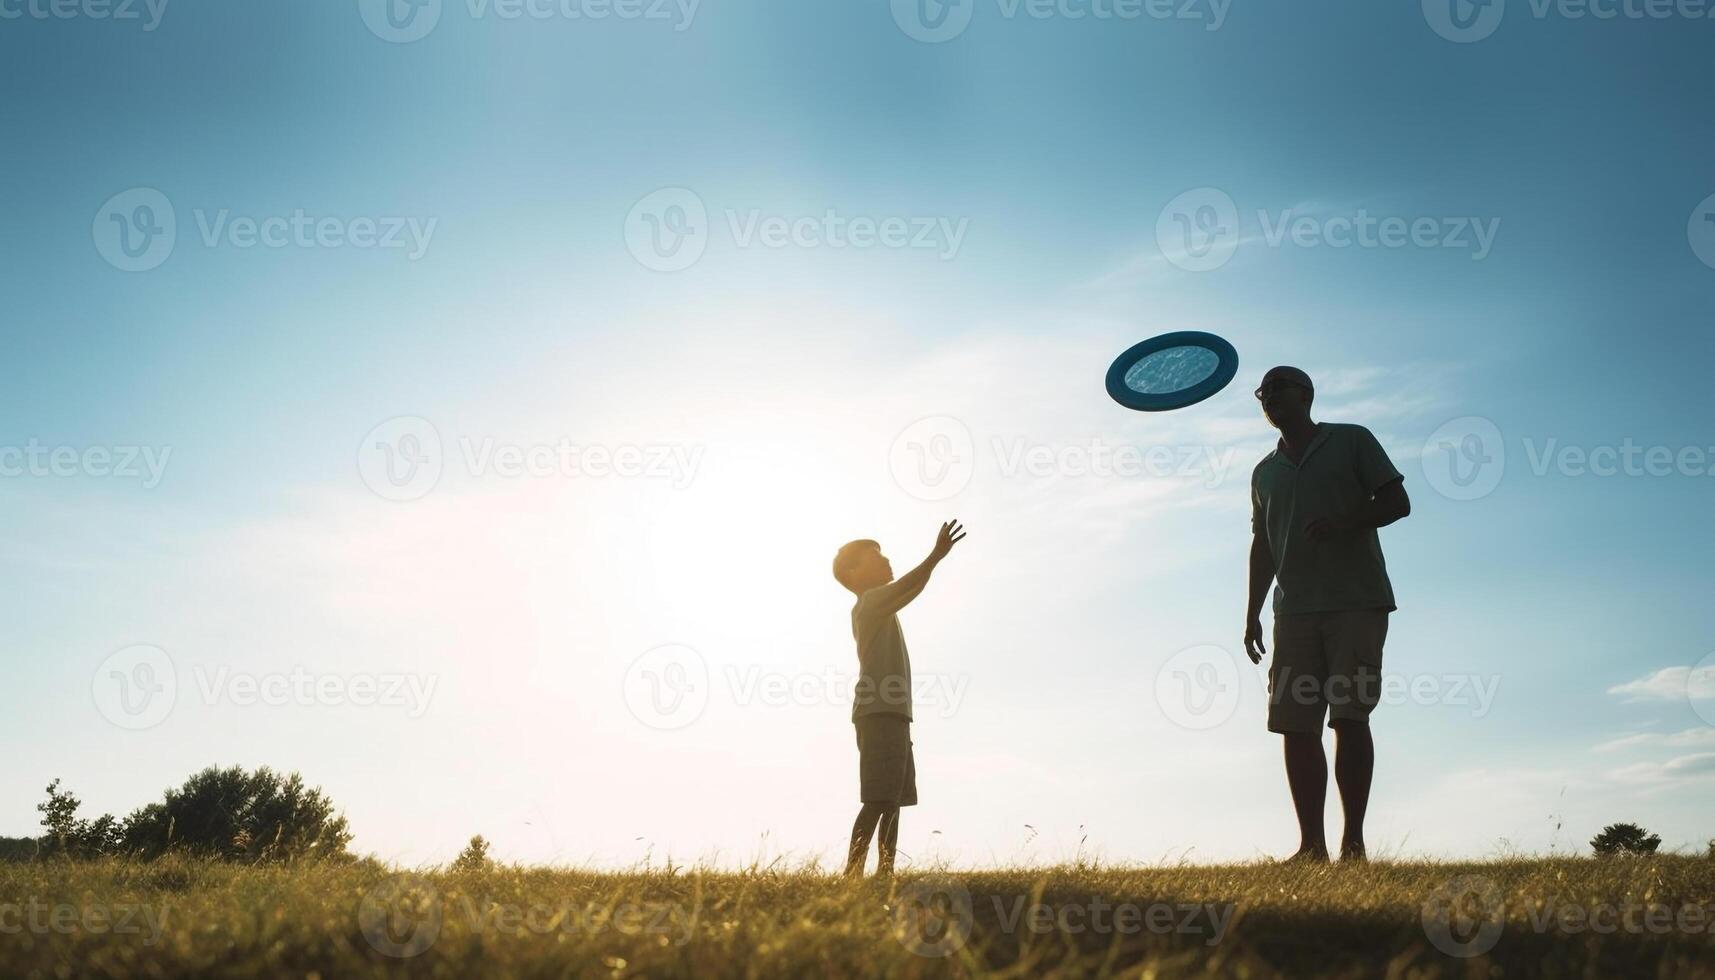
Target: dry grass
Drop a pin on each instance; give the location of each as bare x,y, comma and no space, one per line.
178,918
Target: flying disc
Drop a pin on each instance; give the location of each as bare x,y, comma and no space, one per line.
1174,370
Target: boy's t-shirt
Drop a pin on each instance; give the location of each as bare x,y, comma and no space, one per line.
884,666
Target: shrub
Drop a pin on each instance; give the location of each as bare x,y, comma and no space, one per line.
224,813
239,816
67,836
474,857
1625,838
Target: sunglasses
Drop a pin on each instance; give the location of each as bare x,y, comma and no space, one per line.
1265,390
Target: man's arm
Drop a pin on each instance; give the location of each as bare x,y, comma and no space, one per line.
1262,575
1389,504
896,595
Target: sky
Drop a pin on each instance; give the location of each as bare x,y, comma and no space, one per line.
461,403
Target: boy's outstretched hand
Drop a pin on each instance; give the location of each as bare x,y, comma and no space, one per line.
951,534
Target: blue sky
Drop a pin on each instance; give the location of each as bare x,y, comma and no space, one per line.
770,394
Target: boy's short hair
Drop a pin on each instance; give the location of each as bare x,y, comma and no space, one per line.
846,558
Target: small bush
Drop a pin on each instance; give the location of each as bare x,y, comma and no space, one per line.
1625,838
67,836
240,816
225,813
474,857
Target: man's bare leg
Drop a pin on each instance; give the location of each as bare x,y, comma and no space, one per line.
1354,768
888,844
1307,775
862,831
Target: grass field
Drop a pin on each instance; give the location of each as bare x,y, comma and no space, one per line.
1649,917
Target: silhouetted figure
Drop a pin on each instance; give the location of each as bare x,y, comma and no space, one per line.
1316,502
881,704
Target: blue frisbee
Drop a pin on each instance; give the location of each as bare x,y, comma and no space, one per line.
1174,370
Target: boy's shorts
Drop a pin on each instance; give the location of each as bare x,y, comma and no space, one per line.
1325,663
887,770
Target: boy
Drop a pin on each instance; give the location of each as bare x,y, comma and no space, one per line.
881,705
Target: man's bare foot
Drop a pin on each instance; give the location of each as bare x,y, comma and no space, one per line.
1353,851
1310,855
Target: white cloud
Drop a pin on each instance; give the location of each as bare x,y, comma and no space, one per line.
1690,738
1697,766
1702,762
1671,684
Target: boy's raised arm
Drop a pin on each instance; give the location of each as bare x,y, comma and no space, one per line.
896,595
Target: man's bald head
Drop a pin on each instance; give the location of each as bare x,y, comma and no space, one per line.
1288,375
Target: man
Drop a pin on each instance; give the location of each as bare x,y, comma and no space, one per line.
1316,502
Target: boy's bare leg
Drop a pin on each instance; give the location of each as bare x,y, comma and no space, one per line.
889,844
1307,775
862,831
1354,767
